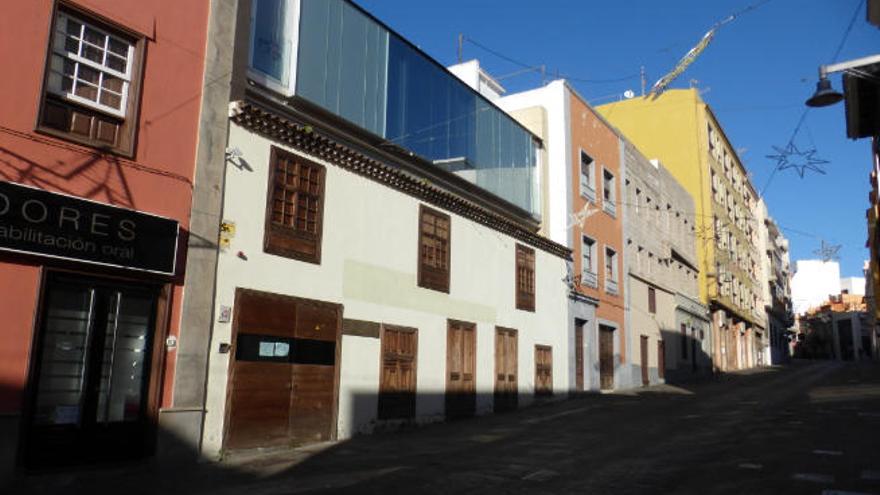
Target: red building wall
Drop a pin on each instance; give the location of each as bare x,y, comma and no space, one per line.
156,180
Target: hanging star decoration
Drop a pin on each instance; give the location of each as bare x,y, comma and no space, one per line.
828,252
800,161
578,219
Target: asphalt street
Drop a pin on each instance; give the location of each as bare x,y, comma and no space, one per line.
804,428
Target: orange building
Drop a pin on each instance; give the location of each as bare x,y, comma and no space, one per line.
583,209
99,119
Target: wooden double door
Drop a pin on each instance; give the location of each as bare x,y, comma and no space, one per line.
461,364
284,373
606,357
506,376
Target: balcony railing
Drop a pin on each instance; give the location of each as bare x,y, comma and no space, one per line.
611,287
609,207
589,279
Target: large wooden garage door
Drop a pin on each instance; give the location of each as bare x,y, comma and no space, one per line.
461,398
282,389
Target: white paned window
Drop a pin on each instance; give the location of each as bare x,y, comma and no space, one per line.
588,177
90,66
609,194
611,271
588,262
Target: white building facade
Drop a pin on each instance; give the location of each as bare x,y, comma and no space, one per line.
363,280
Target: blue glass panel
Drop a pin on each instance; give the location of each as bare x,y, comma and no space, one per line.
271,46
355,68
342,61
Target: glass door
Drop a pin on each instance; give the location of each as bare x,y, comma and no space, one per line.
92,372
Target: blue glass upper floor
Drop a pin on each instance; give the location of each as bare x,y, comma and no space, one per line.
331,53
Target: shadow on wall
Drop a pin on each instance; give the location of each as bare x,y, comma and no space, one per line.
686,360
100,176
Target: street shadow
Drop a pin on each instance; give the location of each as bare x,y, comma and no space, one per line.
687,358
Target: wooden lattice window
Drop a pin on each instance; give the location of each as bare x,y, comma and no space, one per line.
434,249
525,278
295,207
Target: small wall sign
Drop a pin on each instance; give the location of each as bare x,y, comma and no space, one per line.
225,315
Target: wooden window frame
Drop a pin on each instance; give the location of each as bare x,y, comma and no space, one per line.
381,413
525,278
288,241
84,124
430,277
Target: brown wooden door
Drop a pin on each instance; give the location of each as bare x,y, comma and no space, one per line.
661,359
579,356
312,404
543,370
461,399
606,357
506,376
397,386
261,382
282,389
644,349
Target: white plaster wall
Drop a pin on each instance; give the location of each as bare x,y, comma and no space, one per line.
855,285
554,99
812,283
369,265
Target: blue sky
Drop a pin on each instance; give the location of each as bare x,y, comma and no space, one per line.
756,75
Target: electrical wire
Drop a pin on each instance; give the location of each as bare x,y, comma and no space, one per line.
532,66
806,110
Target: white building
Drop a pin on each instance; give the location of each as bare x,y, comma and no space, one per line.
853,285
813,281
363,280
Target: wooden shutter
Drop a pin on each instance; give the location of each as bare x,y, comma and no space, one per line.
294,207
543,370
397,387
525,278
434,249
652,300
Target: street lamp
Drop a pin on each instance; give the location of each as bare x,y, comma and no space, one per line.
825,95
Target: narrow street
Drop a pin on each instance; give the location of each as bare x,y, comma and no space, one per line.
805,428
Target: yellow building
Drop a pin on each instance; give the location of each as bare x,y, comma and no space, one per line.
680,129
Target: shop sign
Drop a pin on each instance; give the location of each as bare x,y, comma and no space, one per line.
42,223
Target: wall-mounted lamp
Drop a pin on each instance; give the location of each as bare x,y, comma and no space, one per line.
825,95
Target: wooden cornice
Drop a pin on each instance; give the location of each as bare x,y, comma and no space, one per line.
271,125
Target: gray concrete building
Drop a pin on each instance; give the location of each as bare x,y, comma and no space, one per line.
668,328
